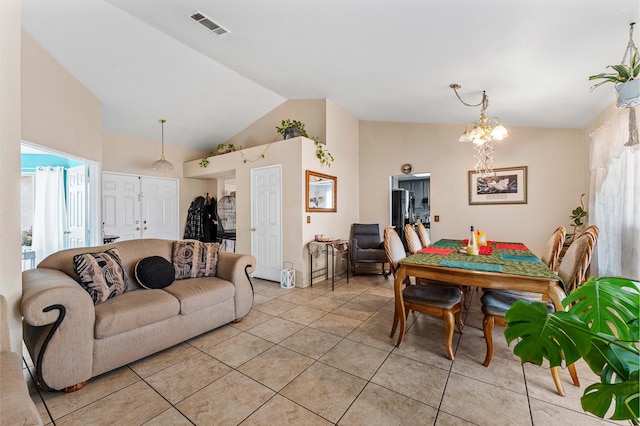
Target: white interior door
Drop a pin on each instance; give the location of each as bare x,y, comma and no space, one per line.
121,206
266,221
159,208
76,207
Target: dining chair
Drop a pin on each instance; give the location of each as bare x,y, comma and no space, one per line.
572,271
413,241
551,254
423,234
440,301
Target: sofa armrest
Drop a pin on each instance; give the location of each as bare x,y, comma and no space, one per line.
58,321
236,267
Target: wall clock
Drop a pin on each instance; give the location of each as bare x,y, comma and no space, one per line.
406,168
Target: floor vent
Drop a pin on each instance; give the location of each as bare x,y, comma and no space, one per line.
208,23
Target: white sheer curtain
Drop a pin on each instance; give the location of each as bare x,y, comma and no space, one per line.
614,201
49,211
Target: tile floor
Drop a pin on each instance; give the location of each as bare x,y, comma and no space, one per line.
314,356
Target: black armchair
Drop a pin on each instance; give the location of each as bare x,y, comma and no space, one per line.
367,246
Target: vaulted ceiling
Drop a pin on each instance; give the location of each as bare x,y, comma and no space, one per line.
382,60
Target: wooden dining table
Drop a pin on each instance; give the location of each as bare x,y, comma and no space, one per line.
504,266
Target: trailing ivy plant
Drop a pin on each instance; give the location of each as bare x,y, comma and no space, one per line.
602,327
323,154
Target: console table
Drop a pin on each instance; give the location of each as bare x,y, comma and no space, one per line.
335,248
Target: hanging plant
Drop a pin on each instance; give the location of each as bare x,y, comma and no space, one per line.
626,79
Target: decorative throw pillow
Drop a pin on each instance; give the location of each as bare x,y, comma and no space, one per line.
194,259
155,272
101,274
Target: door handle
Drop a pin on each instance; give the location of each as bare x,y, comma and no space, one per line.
145,228
137,228
253,229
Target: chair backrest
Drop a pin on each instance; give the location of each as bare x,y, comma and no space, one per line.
368,235
413,241
424,235
552,250
593,230
576,260
394,248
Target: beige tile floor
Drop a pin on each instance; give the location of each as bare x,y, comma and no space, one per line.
314,356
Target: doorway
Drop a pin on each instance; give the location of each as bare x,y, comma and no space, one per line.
60,199
266,221
410,201
137,207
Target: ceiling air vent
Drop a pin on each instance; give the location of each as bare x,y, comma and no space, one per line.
208,23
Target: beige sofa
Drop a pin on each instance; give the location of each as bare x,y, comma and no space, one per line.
16,406
71,340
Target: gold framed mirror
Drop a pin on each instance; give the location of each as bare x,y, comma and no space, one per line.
321,192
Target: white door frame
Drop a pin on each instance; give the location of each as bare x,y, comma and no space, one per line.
94,198
253,171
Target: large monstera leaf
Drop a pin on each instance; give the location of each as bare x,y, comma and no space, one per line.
601,326
608,305
544,335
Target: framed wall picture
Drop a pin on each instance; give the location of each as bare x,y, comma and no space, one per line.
506,186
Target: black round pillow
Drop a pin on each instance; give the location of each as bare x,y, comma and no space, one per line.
155,272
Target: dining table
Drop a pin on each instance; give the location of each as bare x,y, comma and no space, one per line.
499,265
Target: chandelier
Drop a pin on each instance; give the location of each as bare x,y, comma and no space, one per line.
483,132
162,163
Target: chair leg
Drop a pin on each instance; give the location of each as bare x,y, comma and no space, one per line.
555,373
403,326
448,332
574,374
487,327
395,322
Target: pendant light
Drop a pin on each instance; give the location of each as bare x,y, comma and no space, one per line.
162,163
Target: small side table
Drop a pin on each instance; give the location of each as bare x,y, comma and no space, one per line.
335,248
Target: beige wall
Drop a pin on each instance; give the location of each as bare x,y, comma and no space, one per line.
10,276
556,178
57,111
310,112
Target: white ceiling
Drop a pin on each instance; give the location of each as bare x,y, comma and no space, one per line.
382,60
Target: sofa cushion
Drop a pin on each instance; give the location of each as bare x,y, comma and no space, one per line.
101,274
199,293
132,310
155,272
195,259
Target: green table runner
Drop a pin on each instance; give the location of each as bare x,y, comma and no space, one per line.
515,267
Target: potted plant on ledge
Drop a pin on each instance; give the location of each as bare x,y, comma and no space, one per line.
602,327
294,128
